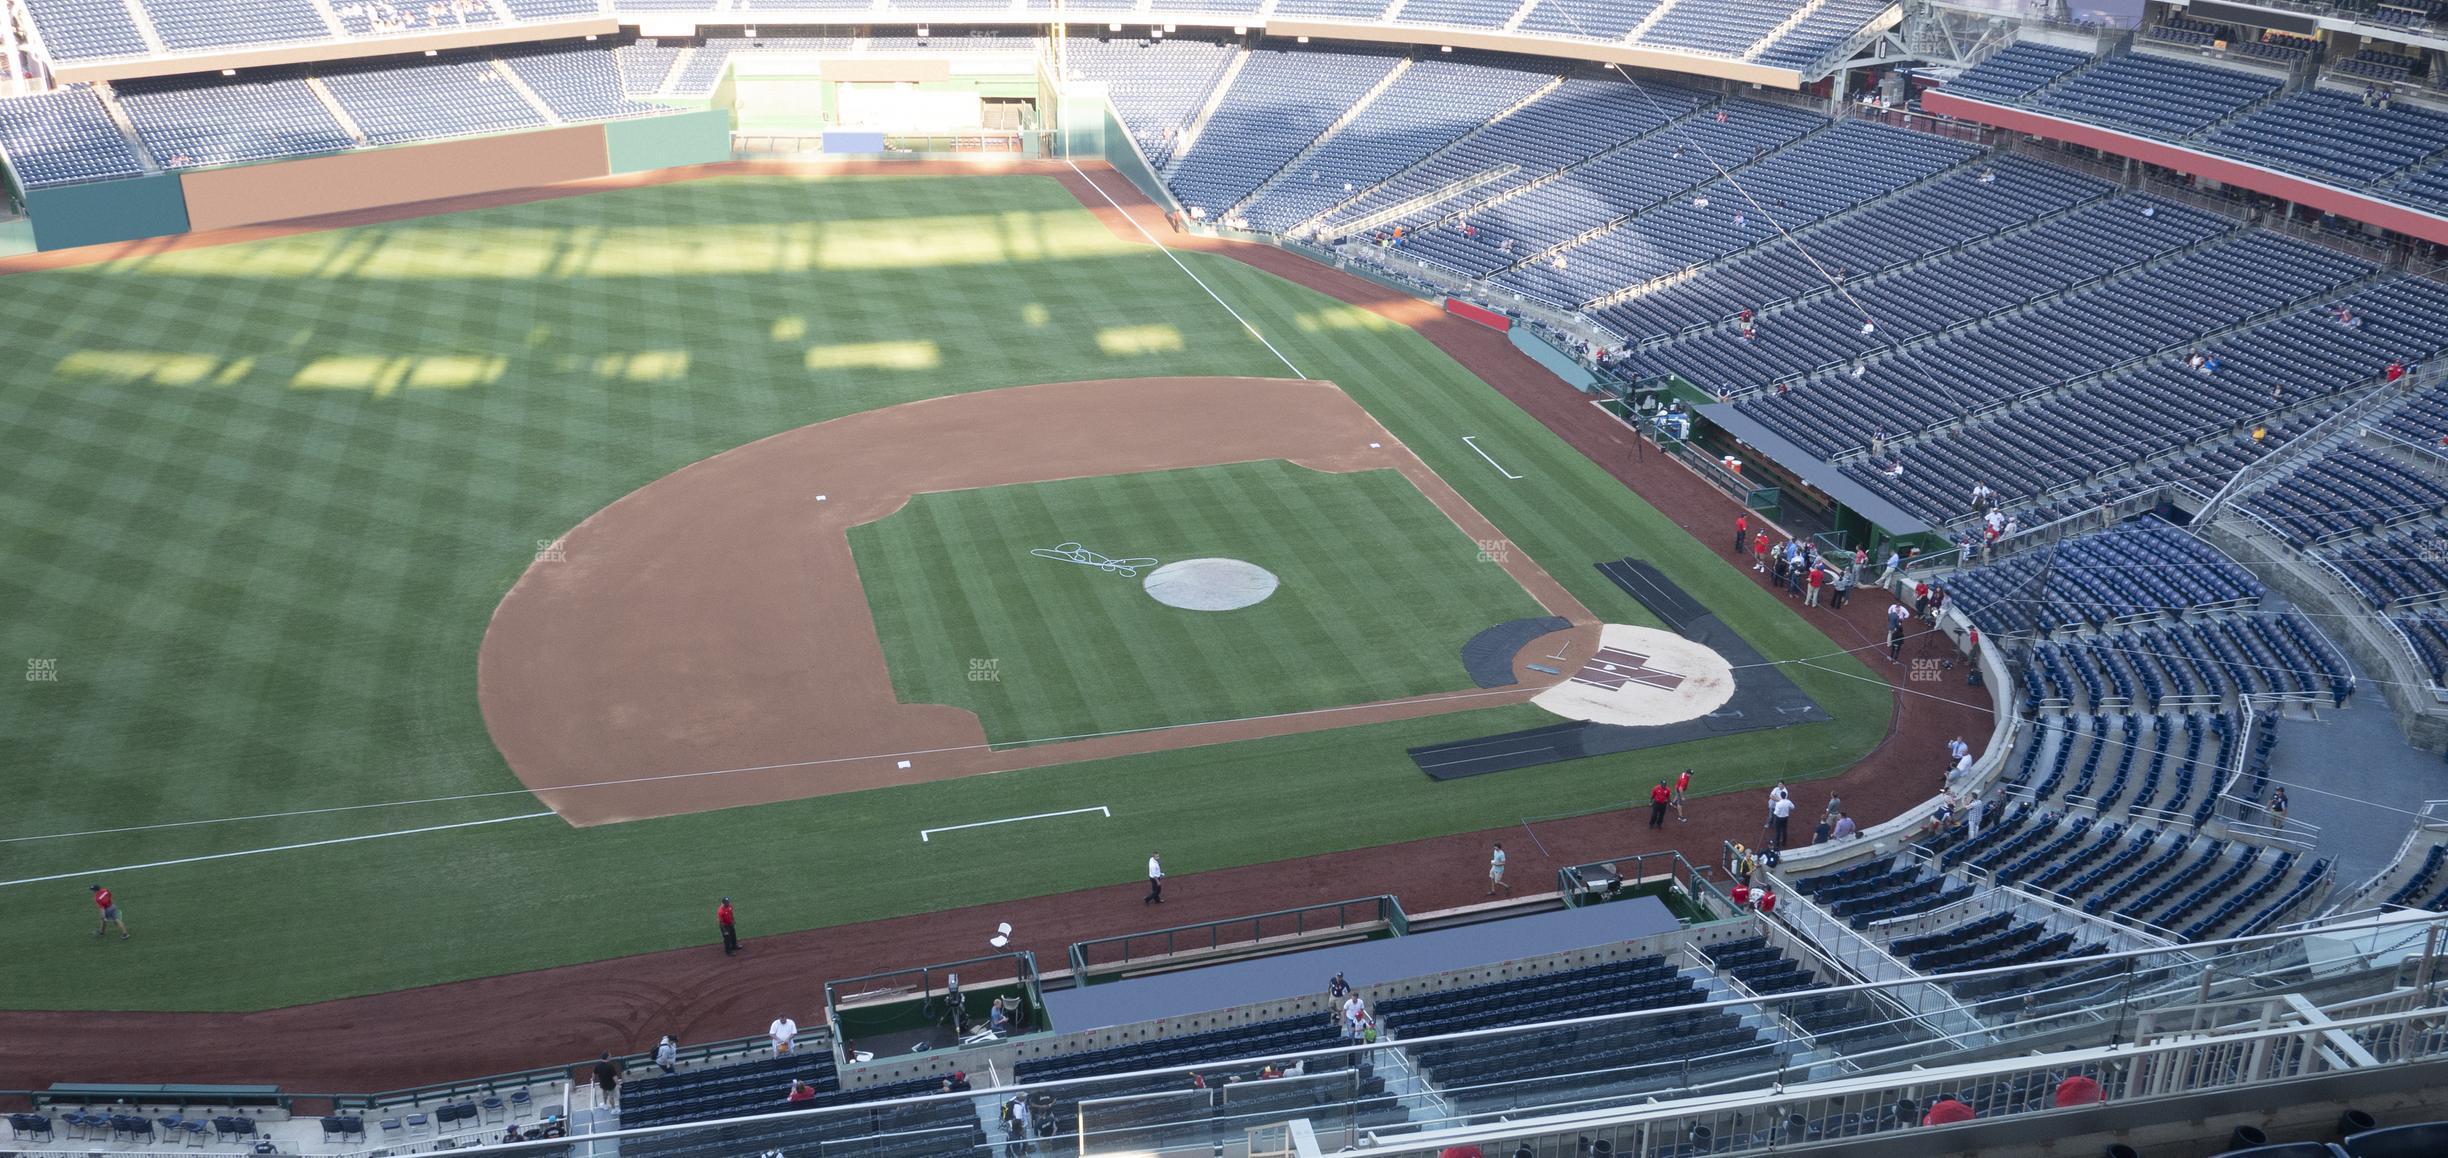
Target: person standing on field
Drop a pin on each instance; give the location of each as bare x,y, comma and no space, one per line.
1682,789
1659,798
1496,867
1742,533
110,913
730,931
1155,882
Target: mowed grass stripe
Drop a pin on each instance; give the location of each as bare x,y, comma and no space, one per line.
1084,651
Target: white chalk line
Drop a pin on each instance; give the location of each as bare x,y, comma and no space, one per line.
1470,439
926,834
128,868
1177,261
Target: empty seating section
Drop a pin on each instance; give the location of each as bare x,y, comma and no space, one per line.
1979,281
2277,47
578,83
1233,1043
192,25
2333,136
975,40
1280,101
2164,416
761,1087
1613,186
2401,569
2379,64
2161,309
644,65
1250,6
62,137
2016,72
705,63
1489,15
553,9
1810,180
1582,118
1332,9
2137,570
1601,20
383,18
2343,493
264,113
1821,32
1618,1057
1157,85
2426,190
1717,27
394,103
86,29
1954,210
1433,103
2154,95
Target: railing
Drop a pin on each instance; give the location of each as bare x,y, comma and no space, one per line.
1603,880
2080,1020
1364,915
1933,1007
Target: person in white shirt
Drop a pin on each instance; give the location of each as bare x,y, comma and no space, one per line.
785,1034
1782,813
1155,882
1496,865
1956,748
667,1055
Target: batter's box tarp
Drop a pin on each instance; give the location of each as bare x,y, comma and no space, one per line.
1763,697
1488,657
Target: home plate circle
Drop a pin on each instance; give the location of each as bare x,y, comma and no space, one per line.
1642,677
1210,584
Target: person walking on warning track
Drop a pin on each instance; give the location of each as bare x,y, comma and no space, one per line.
1155,882
1659,798
730,931
110,913
1496,863
1682,788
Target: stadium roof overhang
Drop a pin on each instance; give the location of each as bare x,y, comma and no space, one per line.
1814,472
2225,170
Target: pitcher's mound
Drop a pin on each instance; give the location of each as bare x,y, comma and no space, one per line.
1210,584
1641,676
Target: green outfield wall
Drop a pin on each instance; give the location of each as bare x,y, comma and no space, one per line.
670,141
66,216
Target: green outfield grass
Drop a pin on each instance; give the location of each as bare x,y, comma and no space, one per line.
1379,589
258,501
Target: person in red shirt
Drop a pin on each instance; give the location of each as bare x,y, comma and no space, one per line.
1740,892
1742,529
1767,901
730,931
1818,579
1759,552
2078,1090
1682,788
1947,1111
1659,798
800,1091
110,913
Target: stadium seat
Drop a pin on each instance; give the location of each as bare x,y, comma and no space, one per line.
2423,1140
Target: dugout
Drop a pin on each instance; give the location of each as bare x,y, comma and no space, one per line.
933,1009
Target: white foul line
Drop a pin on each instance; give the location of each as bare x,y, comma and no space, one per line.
925,834
1177,261
275,848
1491,462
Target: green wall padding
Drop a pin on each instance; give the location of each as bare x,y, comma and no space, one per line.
663,142
66,216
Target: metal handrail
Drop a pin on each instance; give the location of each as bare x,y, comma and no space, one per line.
1382,908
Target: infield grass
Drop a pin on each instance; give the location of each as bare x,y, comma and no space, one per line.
1378,591
258,501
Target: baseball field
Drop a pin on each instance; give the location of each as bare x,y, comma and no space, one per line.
299,536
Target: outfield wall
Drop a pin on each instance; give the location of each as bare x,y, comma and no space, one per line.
163,204
65,216
344,182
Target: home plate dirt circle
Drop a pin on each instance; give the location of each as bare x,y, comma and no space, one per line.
1641,677
1210,584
